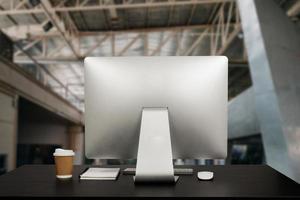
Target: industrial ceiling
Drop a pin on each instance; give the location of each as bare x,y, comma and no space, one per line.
52,37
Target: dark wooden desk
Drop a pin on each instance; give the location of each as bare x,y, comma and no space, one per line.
229,181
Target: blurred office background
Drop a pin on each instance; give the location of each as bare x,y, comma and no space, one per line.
43,44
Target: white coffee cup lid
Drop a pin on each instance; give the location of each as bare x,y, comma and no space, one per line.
63,152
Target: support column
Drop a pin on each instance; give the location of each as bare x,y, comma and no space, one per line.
273,46
76,143
242,119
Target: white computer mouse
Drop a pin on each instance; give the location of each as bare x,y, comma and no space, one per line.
205,175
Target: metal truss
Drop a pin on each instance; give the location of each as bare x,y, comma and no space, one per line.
17,9
221,29
220,32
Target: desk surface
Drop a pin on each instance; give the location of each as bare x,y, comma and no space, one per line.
229,181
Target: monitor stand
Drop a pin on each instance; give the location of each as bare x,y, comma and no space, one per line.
154,159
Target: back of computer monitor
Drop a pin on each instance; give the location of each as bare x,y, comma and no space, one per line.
194,89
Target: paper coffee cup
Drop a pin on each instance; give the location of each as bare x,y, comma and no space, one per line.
63,163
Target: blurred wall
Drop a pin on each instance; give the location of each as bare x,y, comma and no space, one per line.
8,124
34,132
39,126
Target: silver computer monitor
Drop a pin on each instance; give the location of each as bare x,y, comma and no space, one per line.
193,89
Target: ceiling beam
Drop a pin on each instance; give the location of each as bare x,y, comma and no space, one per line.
99,42
103,6
113,44
28,46
146,44
170,17
47,8
49,73
67,60
191,14
8,16
178,43
35,31
195,43
229,40
160,45
294,9
123,51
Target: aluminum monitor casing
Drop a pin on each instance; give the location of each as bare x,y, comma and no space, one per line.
194,89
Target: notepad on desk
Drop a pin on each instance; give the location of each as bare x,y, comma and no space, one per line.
100,174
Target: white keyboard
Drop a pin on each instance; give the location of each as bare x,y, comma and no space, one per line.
177,171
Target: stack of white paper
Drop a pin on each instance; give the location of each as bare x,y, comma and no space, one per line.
100,174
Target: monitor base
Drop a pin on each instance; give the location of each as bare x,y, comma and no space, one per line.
177,171
155,180
154,159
